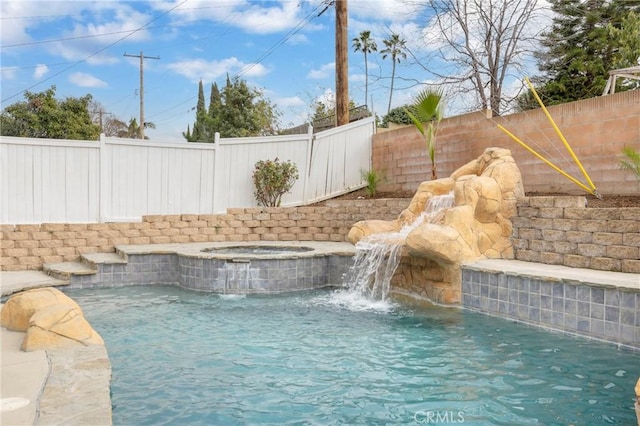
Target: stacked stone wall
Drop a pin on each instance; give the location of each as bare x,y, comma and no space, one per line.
26,247
561,231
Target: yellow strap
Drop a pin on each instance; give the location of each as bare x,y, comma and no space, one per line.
562,138
556,168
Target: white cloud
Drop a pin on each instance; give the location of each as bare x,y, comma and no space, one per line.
297,39
8,73
86,80
328,98
324,71
388,10
292,101
357,78
208,71
252,17
40,71
111,22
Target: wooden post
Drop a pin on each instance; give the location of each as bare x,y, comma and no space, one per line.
342,65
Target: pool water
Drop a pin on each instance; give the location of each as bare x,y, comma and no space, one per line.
180,357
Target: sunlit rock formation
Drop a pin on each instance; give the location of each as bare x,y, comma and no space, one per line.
50,319
478,226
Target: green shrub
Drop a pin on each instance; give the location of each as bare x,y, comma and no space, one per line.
272,179
397,116
632,161
373,178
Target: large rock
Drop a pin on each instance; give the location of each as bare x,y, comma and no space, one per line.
59,326
479,225
20,307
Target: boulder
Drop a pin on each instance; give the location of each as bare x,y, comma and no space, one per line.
59,326
20,307
478,225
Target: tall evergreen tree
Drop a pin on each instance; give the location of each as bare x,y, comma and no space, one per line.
578,51
236,111
215,108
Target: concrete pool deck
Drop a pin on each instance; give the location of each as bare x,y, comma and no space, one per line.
25,375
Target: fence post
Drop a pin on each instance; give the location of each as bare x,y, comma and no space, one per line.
102,179
216,173
307,166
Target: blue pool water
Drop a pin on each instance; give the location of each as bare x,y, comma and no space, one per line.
319,358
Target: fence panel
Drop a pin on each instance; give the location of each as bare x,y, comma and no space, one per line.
124,179
236,162
46,180
338,158
145,179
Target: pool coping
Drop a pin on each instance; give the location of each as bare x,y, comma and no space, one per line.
11,282
557,273
592,304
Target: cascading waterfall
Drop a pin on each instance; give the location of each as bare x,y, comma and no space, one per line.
378,255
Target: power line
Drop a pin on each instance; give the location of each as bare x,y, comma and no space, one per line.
96,53
296,29
56,40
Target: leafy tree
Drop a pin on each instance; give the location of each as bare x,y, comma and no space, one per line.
627,54
580,50
395,49
236,111
41,115
396,115
428,108
133,129
327,109
365,44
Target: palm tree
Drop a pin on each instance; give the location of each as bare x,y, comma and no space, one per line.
395,48
428,107
632,161
365,44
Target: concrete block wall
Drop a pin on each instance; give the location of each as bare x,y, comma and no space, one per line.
561,231
26,247
597,129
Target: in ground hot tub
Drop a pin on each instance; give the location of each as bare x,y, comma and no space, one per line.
274,267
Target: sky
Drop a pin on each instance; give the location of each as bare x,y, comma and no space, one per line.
284,48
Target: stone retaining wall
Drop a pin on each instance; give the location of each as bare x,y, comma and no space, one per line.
27,247
560,231
552,230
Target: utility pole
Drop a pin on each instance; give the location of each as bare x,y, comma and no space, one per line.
142,58
342,65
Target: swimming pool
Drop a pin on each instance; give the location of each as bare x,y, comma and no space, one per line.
181,357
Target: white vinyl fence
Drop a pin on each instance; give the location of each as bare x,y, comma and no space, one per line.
49,181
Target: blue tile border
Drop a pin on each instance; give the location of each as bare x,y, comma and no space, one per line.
255,276
608,314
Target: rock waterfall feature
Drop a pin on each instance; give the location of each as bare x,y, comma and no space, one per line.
478,225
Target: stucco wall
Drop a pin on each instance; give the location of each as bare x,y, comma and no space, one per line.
597,129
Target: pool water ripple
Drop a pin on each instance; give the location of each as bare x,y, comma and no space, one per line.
186,358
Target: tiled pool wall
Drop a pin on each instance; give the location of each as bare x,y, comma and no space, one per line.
219,275
605,313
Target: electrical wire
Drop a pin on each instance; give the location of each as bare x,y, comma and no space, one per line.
296,29
96,53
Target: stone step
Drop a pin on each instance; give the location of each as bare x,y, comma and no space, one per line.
94,259
16,281
64,270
